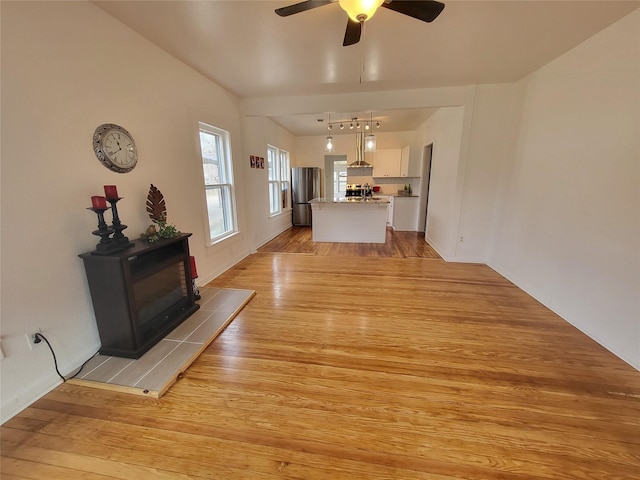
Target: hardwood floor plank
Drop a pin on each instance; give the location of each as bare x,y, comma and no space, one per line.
355,362
14,468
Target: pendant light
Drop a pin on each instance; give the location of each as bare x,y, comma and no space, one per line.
370,140
329,146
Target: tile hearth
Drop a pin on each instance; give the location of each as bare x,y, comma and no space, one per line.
153,373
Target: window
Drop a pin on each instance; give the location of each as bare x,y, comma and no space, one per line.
215,147
279,179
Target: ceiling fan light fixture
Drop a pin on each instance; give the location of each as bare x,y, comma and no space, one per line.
360,10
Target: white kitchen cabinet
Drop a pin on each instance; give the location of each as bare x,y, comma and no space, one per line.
405,213
390,208
387,162
394,162
404,161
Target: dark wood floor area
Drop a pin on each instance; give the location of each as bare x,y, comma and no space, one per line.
397,244
351,368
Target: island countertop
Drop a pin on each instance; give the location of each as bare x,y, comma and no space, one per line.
351,200
351,219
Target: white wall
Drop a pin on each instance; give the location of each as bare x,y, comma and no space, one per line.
68,67
258,133
492,128
444,129
569,230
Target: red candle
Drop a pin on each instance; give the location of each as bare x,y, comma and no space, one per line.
110,191
99,202
194,272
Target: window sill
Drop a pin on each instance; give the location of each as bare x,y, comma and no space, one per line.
223,242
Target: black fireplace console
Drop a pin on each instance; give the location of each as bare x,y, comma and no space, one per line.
140,294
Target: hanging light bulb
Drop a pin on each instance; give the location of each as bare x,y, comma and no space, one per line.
370,140
370,143
329,146
377,124
366,127
351,125
330,127
342,126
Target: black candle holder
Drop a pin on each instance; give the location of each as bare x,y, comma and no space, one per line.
105,246
117,226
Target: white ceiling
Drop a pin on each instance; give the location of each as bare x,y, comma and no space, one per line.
246,48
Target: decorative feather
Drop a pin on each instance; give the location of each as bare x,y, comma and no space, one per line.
156,207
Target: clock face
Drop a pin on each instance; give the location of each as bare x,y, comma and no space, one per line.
115,148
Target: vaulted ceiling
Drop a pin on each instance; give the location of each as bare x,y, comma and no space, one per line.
249,50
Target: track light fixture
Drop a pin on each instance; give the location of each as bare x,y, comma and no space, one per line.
354,123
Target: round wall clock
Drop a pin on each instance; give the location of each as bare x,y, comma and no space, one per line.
115,148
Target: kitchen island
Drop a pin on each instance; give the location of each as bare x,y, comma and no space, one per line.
351,219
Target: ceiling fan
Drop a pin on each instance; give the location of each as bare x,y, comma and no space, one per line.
360,11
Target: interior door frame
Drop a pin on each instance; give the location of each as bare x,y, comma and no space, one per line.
329,170
425,181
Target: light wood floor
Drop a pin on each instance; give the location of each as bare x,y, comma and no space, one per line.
357,367
397,244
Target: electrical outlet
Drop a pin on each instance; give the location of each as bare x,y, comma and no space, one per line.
31,339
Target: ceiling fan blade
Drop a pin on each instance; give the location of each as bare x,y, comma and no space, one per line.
425,10
302,7
353,33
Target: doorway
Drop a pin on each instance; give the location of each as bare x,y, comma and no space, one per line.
425,175
335,180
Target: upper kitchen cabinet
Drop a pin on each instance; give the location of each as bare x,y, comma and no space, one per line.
395,162
404,161
411,162
387,163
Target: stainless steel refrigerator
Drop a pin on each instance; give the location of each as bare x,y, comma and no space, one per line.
305,186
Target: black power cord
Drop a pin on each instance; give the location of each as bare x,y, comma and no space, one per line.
38,337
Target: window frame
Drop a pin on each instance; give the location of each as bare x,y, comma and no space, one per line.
225,184
279,180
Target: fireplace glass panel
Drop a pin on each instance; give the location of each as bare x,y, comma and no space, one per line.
157,296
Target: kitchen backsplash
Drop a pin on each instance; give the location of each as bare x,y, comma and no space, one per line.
388,186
